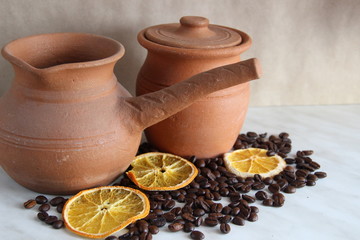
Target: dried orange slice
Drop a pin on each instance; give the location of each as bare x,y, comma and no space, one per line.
156,171
251,161
99,212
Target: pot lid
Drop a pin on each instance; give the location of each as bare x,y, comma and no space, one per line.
193,32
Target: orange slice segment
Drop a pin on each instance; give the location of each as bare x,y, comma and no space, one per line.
156,171
99,212
251,161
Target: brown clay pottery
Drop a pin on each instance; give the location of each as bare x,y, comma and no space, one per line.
176,52
66,124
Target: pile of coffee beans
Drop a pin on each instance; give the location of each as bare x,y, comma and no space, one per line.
44,207
199,203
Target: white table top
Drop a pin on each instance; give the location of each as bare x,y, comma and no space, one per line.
329,210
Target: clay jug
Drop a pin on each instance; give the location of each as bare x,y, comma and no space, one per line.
176,52
66,124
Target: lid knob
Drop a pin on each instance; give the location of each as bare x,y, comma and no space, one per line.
193,21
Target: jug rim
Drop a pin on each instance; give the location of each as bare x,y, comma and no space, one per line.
115,48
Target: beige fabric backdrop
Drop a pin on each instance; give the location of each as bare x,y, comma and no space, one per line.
310,50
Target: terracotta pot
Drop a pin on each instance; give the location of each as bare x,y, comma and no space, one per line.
66,124
208,127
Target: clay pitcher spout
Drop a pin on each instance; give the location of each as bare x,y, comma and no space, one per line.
152,108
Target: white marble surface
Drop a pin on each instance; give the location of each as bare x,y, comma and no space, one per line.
330,210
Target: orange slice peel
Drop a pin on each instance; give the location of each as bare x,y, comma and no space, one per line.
157,171
102,211
251,161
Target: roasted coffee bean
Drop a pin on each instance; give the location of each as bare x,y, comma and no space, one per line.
133,231
143,226
51,219
298,184
300,154
56,201
299,160
188,227
181,198
127,235
192,159
150,216
282,183
252,134
154,205
158,212
225,228
145,236
199,212
244,212
198,221
187,209
44,207
311,177
180,220
41,199
175,227
215,215
279,199
169,204
176,211
211,221
290,160
60,207
301,179
321,174
158,198
58,224
216,208
217,196
305,166
200,163
268,202
169,217
257,178
253,217
159,221
248,198
310,183
188,217
112,237
153,229
301,173
258,186
234,204
274,188
289,169
268,181
209,196
224,192
261,195
226,210
175,193
235,211
270,153
245,188
42,216
254,209
238,221
197,235
289,189
29,204
204,205
315,165
225,219
307,152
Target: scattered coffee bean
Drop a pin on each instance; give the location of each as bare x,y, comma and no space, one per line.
268,181
268,202
169,217
225,228
211,221
44,207
59,208
225,219
279,199
254,209
248,198
29,204
175,227
307,152
310,183
56,201
253,217
197,235
58,224
238,221
274,188
42,216
51,219
153,229
290,160
261,195
41,199
188,227
145,236
198,221
321,174
289,189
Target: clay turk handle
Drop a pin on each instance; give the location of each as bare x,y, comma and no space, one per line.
154,107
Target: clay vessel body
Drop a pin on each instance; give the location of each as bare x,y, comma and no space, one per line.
209,126
66,124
